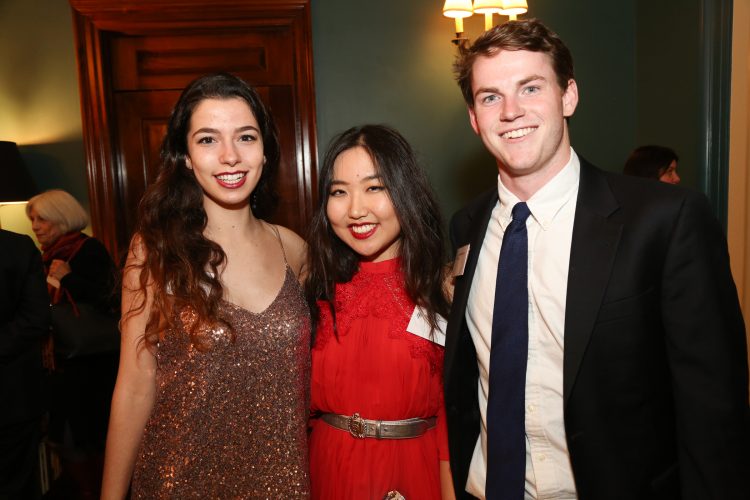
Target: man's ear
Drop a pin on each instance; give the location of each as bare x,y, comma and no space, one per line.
570,98
473,119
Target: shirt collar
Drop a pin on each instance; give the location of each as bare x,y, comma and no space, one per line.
546,203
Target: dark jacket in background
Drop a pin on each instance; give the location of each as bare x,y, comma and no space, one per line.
24,322
81,387
92,279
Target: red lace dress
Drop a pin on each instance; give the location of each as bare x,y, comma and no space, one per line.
379,370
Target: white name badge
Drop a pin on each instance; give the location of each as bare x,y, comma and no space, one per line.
419,326
459,263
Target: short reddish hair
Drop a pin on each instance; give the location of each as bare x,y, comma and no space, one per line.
528,35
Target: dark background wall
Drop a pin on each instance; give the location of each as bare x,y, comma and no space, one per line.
390,62
637,69
668,93
39,104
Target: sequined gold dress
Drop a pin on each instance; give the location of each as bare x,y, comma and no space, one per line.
231,422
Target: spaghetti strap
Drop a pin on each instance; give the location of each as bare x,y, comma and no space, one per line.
278,237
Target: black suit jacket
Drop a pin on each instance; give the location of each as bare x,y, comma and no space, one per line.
655,365
24,322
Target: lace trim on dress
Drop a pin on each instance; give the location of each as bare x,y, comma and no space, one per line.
379,295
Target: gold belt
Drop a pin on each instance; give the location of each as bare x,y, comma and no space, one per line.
379,429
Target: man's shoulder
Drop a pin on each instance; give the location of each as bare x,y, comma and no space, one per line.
478,204
20,256
464,221
628,189
14,242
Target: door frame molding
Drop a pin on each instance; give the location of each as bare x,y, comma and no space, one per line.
93,22
716,62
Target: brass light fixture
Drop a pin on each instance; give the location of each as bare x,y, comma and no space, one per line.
488,7
460,9
514,8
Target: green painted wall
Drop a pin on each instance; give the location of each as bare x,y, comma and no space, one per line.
39,103
390,62
668,72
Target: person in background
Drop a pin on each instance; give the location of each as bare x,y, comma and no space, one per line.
596,348
654,162
377,278
24,323
212,394
79,270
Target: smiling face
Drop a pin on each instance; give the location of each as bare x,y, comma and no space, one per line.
359,208
225,151
519,112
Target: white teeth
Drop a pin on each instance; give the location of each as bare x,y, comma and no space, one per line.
363,228
515,134
231,178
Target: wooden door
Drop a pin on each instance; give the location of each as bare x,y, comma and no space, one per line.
135,57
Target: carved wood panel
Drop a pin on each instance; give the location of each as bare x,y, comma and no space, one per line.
135,57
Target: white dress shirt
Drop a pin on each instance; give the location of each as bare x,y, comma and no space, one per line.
550,231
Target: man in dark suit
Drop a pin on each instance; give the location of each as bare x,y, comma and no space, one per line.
633,378
24,320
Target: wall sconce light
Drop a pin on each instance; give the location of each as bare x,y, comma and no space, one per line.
16,188
488,7
514,8
459,9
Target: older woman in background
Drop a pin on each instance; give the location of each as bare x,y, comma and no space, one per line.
80,264
79,270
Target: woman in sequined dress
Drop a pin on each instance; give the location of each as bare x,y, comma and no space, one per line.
211,398
376,252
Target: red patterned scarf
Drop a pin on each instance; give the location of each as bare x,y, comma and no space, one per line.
64,248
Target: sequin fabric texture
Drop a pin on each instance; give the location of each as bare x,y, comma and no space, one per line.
231,422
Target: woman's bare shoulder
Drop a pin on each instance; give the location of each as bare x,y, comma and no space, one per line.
137,250
295,249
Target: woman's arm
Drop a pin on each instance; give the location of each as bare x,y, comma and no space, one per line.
446,481
135,390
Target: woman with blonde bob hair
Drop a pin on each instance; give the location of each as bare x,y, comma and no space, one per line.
79,271
77,265
60,208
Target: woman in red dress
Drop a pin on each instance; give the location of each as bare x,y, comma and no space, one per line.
377,275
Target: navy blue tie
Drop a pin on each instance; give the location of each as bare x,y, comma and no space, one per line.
506,438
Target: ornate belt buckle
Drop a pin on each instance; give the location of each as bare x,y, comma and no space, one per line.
357,426
394,495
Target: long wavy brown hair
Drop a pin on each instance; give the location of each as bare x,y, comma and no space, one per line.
181,267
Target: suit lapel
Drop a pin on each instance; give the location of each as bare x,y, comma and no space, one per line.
594,246
477,221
